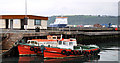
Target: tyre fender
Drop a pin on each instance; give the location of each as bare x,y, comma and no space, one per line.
35,50
63,52
32,48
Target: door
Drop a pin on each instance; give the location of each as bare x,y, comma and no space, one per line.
11,23
7,23
22,24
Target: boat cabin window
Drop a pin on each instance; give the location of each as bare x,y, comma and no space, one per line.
60,42
35,42
54,37
70,43
65,43
28,42
32,42
49,37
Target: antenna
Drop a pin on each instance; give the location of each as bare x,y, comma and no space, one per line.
25,8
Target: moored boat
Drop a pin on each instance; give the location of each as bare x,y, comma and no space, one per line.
30,48
69,48
36,47
57,48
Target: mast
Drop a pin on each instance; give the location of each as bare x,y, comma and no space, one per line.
26,18
25,8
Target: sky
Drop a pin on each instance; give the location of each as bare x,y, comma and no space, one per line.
59,7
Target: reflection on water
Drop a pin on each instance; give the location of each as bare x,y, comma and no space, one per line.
39,59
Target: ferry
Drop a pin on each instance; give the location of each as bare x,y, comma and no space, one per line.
57,48
59,22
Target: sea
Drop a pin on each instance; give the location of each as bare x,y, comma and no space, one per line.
110,53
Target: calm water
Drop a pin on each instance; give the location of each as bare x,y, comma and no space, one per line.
109,54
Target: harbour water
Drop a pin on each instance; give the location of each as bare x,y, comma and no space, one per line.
110,53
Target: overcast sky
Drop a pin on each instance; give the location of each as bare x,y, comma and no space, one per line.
59,7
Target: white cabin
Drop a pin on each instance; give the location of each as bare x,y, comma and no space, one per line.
69,44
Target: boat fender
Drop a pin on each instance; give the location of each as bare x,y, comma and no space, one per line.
86,53
35,50
91,52
39,49
94,52
80,53
76,53
83,52
72,52
68,53
98,50
63,52
32,48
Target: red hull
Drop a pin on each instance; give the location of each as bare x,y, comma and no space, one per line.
56,53
49,52
25,50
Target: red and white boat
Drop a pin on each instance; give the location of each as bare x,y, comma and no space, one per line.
35,46
57,48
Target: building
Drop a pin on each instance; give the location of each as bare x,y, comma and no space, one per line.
23,22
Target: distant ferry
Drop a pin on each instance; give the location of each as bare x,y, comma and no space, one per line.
59,22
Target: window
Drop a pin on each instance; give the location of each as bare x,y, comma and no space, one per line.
28,42
65,43
32,42
25,20
70,43
37,22
60,42
54,37
35,42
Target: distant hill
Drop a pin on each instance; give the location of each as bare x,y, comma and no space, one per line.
87,19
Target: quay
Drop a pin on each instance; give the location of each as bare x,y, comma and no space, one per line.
10,38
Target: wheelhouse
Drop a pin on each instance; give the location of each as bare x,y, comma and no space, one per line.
69,44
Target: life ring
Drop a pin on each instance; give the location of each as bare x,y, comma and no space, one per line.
63,52
35,50
32,48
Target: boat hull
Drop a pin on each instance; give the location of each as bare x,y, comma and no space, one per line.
58,25
57,53
26,50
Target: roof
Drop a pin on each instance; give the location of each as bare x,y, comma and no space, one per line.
23,16
43,40
46,40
